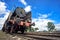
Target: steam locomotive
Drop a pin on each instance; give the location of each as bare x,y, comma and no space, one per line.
19,20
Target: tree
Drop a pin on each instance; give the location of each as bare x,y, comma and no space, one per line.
31,29
50,26
36,29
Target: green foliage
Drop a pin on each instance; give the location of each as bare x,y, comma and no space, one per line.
31,29
50,26
44,31
36,29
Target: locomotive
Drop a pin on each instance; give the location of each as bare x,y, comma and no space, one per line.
19,20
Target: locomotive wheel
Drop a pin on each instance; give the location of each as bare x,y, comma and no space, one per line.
8,30
3,29
16,31
22,31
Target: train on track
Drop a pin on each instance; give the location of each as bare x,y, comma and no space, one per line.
19,20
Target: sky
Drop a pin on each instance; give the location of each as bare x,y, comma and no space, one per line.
43,11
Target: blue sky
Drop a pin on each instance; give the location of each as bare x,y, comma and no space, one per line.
38,6
2,15
41,9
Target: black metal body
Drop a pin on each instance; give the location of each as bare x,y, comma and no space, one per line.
18,15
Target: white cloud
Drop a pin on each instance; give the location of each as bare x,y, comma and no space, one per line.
44,15
23,2
41,23
2,7
27,8
42,20
3,10
57,26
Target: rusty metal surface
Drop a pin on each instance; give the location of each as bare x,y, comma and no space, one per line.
38,36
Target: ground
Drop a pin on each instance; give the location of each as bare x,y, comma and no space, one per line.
4,36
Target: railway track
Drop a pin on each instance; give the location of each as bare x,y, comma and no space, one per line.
39,36
45,34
